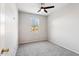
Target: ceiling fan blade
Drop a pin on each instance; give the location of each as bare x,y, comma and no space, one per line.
49,7
39,10
45,10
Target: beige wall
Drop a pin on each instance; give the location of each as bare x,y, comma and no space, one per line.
25,24
2,26
63,27
9,28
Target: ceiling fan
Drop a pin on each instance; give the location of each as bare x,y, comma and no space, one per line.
45,7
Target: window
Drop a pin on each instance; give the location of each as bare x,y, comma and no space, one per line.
35,24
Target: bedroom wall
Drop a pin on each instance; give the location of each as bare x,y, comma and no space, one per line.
11,28
25,28
2,26
63,27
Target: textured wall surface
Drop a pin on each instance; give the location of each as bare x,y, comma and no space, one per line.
25,28
63,27
11,28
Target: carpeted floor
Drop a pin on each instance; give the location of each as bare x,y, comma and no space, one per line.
44,48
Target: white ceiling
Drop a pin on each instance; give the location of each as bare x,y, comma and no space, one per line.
34,7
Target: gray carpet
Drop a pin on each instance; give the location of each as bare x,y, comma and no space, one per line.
44,48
